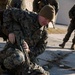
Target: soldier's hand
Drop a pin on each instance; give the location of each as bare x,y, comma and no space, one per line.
26,47
11,38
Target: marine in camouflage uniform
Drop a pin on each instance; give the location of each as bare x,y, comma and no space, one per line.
71,28
25,26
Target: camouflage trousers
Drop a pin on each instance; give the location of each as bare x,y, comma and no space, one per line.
35,70
70,29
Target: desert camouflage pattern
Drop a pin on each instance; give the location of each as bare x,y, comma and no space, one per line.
25,26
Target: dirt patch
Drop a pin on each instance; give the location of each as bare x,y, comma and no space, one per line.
56,31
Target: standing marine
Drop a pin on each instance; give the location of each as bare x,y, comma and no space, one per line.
70,29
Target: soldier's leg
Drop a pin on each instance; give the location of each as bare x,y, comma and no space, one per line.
68,34
13,60
3,52
73,42
2,57
38,70
7,45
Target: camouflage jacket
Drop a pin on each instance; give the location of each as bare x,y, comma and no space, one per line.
25,25
38,4
72,13
5,4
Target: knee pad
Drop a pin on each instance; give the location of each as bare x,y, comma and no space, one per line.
14,60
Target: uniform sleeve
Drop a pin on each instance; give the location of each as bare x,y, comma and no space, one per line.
12,17
40,46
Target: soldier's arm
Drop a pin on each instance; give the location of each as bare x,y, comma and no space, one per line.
40,46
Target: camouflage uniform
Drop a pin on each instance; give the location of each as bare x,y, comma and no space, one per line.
38,4
5,4
71,28
25,26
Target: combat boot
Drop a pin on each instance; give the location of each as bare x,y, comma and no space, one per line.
72,47
62,45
